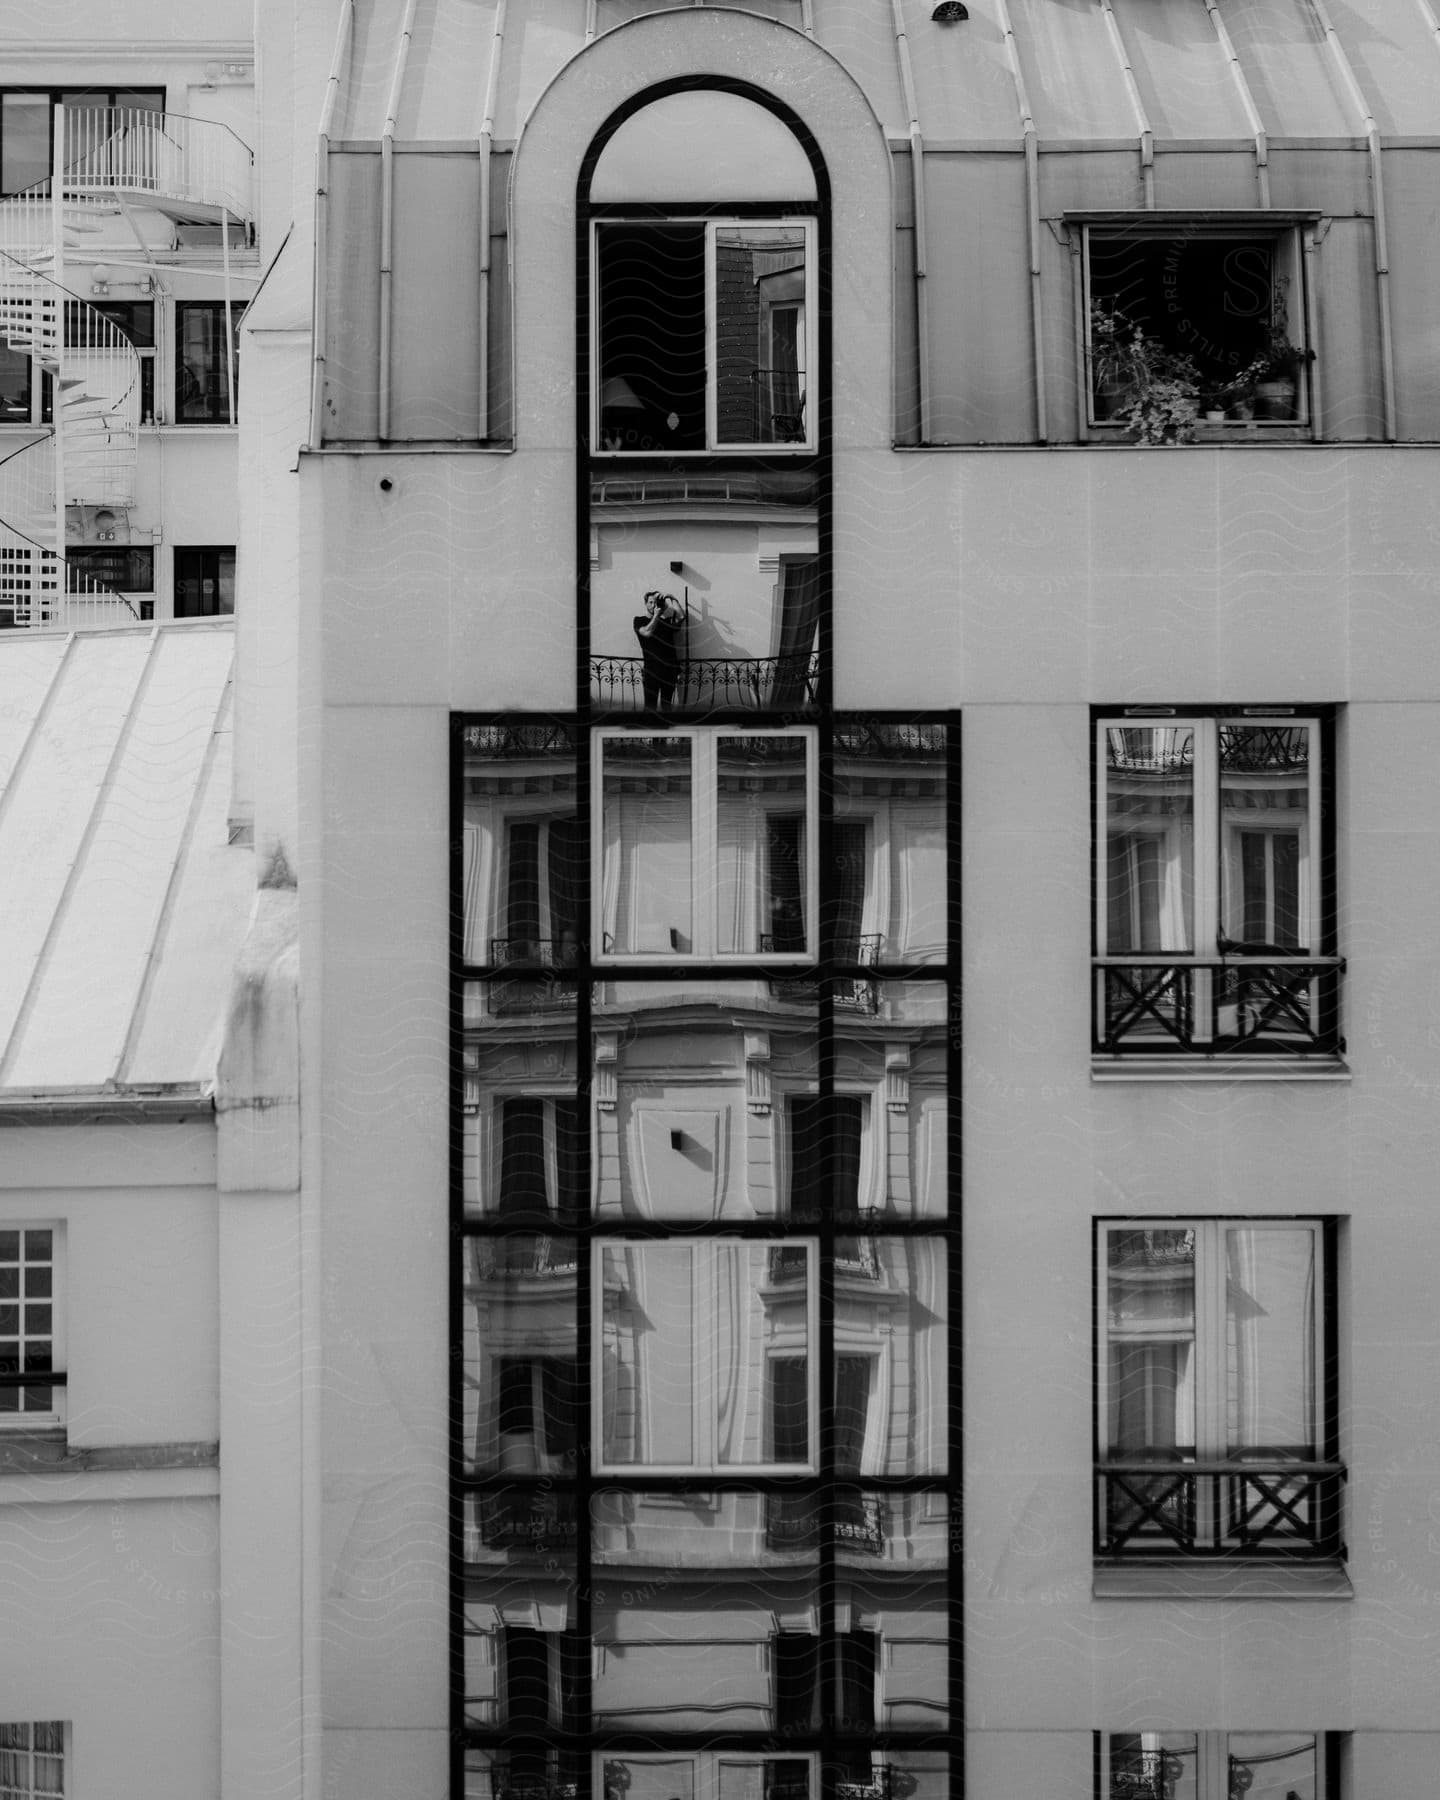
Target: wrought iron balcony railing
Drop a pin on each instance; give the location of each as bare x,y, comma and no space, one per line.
532,1520
535,952
541,993
792,1521
497,1258
1274,1004
1274,1506
743,682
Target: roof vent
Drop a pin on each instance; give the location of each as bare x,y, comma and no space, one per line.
949,12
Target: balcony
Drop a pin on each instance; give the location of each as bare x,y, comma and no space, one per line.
533,1258
535,953
1270,1004
1274,1506
193,170
742,683
526,1520
792,1521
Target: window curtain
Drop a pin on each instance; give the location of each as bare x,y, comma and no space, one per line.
799,619
852,1411
848,887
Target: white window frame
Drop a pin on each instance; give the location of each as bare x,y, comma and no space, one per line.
1212,1759
27,1788
12,1423
808,335
1288,238
704,742
783,1341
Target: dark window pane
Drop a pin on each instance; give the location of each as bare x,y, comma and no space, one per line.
651,281
24,141
204,581
202,391
789,1412
124,568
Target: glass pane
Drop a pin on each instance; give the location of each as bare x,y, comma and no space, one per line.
900,1088
647,1778
520,1398
696,1529
1270,1342
646,902
1149,839
535,1771
531,1528
522,1653
705,1353
887,882
691,1108
891,1365
24,141
683,1656
1150,1314
524,847
14,386
760,334
1270,1765
1265,836
650,283
1153,1765
763,883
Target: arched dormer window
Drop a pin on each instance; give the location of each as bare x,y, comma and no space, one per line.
702,293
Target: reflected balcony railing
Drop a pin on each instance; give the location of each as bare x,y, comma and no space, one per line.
512,1787
535,952
851,993
792,1521
1272,1003
744,683
533,1519
779,406
545,992
854,1257
1266,1504
498,1258
881,1786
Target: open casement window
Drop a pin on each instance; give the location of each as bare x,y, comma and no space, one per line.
704,845
706,1363
1215,1765
1226,293
704,336
1215,1389
32,1760
1211,913
32,1384
539,1159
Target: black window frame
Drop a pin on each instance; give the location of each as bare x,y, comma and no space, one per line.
210,405
103,98
204,576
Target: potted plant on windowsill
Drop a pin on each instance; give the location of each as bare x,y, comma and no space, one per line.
1278,365
1139,382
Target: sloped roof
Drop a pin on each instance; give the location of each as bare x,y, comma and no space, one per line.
123,902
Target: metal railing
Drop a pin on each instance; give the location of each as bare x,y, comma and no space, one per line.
496,1259
1274,1003
528,1519
792,1521
537,953
1271,1505
742,682
124,150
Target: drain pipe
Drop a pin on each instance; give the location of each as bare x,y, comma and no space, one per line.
487,135
1247,102
1132,89
229,313
387,215
917,184
322,218
1377,200
1032,215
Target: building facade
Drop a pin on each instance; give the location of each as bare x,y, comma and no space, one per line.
822,1138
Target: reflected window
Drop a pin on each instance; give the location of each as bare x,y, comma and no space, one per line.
795,1660
704,334
706,844
707,1364
1216,1386
1214,925
1213,1765
886,886
540,1164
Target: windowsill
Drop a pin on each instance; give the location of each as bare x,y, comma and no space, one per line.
1220,1067
1235,1580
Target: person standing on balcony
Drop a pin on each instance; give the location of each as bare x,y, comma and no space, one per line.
658,630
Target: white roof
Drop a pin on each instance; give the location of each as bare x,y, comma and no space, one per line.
123,902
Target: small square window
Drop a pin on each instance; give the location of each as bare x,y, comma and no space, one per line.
122,568
204,580
32,1760
704,336
704,845
1214,910
1216,1392
1195,324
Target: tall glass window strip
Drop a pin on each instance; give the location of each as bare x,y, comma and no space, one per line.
704,1468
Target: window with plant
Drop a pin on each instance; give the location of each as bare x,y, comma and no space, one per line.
1194,326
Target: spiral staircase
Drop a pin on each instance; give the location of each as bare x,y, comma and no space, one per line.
112,163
